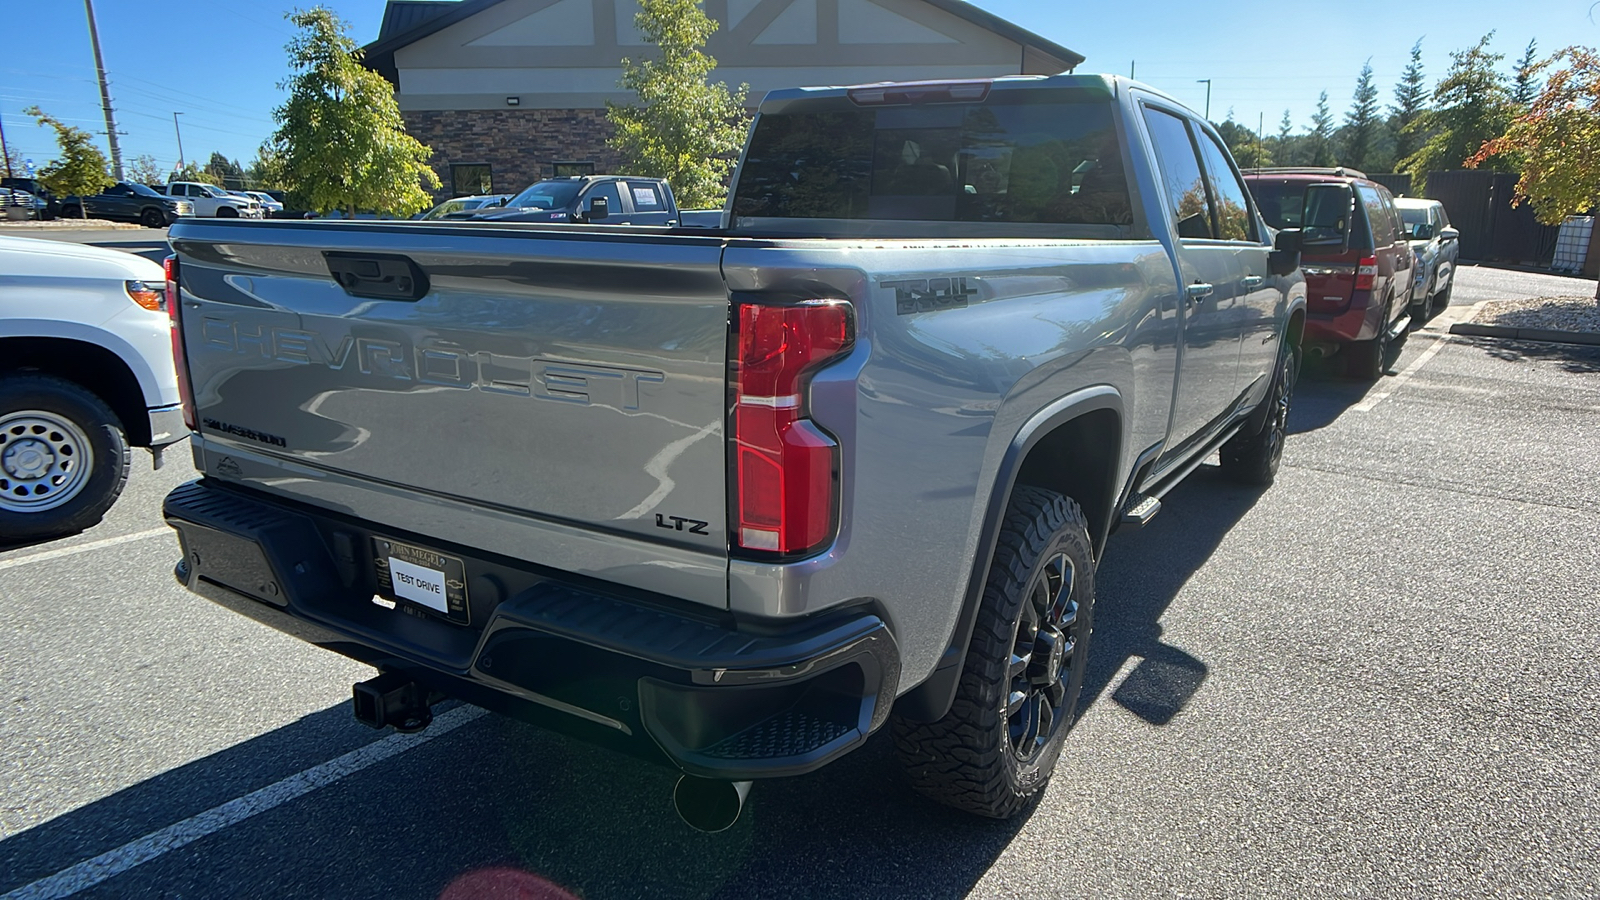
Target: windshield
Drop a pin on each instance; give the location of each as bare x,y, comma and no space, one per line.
1019,158
213,190
1413,216
143,190
1281,202
546,195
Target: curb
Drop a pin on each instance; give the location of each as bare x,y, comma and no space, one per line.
1526,334
69,225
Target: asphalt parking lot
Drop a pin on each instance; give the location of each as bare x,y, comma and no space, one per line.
1376,678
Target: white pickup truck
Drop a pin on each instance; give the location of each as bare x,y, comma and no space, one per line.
211,201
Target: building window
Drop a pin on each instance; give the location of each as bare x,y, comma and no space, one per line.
566,169
471,178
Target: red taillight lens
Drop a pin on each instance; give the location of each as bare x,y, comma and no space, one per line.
1366,273
180,358
784,465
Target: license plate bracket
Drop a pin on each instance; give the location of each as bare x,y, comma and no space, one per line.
421,579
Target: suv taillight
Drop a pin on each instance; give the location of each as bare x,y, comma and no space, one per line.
785,496
180,359
1366,272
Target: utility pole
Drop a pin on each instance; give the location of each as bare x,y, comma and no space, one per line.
177,131
1205,81
1132,65
105,93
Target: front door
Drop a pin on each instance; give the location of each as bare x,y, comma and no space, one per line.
1210,274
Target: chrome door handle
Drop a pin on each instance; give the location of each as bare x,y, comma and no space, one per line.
1251,282
1199,291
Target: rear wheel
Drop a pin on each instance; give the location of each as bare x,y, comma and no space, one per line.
71,212
152,218
63,458
1369,360
1254,459
1018,694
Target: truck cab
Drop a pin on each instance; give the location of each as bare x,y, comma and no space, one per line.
591,199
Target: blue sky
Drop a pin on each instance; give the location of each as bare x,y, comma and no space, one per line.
219,61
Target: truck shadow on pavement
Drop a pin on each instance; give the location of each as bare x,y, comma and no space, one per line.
497,795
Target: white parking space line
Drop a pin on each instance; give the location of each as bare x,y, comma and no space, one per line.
81,548
112,863
1373,400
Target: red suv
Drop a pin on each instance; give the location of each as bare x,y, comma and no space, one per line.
1356,257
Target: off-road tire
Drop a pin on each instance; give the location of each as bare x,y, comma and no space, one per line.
152,218
1254,458
969,759
102,436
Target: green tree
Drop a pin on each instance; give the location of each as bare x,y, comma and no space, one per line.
145,170
340,135
191,171
1320,139
683,128
1284,147
265,172
1471,106
1248,150
1361,122
225,172
80,170
1410,99
1523,86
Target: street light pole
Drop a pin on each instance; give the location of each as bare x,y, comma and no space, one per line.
1207,83
179,132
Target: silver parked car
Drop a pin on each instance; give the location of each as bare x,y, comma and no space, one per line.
1437,247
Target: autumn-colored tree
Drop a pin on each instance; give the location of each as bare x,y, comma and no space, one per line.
683,129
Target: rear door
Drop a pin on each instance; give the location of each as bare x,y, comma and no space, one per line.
1210,274
566,376
649,207
1391,250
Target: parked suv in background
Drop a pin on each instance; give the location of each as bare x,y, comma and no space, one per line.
211,201
128,202
594,199
1357,260
1437,247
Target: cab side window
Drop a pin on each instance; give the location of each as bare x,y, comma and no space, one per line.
1234,222
607,190
1185,187
645,197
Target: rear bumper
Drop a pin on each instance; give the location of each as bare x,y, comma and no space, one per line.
1359,322
711,696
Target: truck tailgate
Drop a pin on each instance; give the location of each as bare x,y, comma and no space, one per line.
556,374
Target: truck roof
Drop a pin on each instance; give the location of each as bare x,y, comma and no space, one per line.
979,88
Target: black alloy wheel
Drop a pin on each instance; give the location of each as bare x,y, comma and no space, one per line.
1041,659
152,218
1254,459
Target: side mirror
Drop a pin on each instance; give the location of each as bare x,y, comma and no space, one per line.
597,209
1285,255
1449,233
1325,219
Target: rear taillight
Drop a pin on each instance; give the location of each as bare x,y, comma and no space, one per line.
784,466
1366,272
180,358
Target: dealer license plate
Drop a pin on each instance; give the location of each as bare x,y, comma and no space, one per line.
422,579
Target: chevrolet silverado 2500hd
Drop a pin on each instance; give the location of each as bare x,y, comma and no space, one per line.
732,499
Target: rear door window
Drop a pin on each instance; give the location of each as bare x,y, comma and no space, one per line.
1020,158
1187,199
645,197
1379,218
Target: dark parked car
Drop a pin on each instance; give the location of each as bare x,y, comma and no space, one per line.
16,198
127,202
1357,260
52,207
594,199
1437,246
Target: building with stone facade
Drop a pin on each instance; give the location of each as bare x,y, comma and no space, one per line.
507,92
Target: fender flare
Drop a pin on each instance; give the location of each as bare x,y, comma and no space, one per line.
930,700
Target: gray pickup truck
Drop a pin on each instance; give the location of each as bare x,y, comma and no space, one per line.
731,499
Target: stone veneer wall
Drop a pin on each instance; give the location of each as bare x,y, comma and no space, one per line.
519,144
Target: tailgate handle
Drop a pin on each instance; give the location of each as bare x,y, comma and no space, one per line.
378,276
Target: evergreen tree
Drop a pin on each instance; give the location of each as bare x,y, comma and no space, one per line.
1320,140
1524,89
1245,145
684,128
1283,146
1361,122
343,142
1410,98
225,172
1471,106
